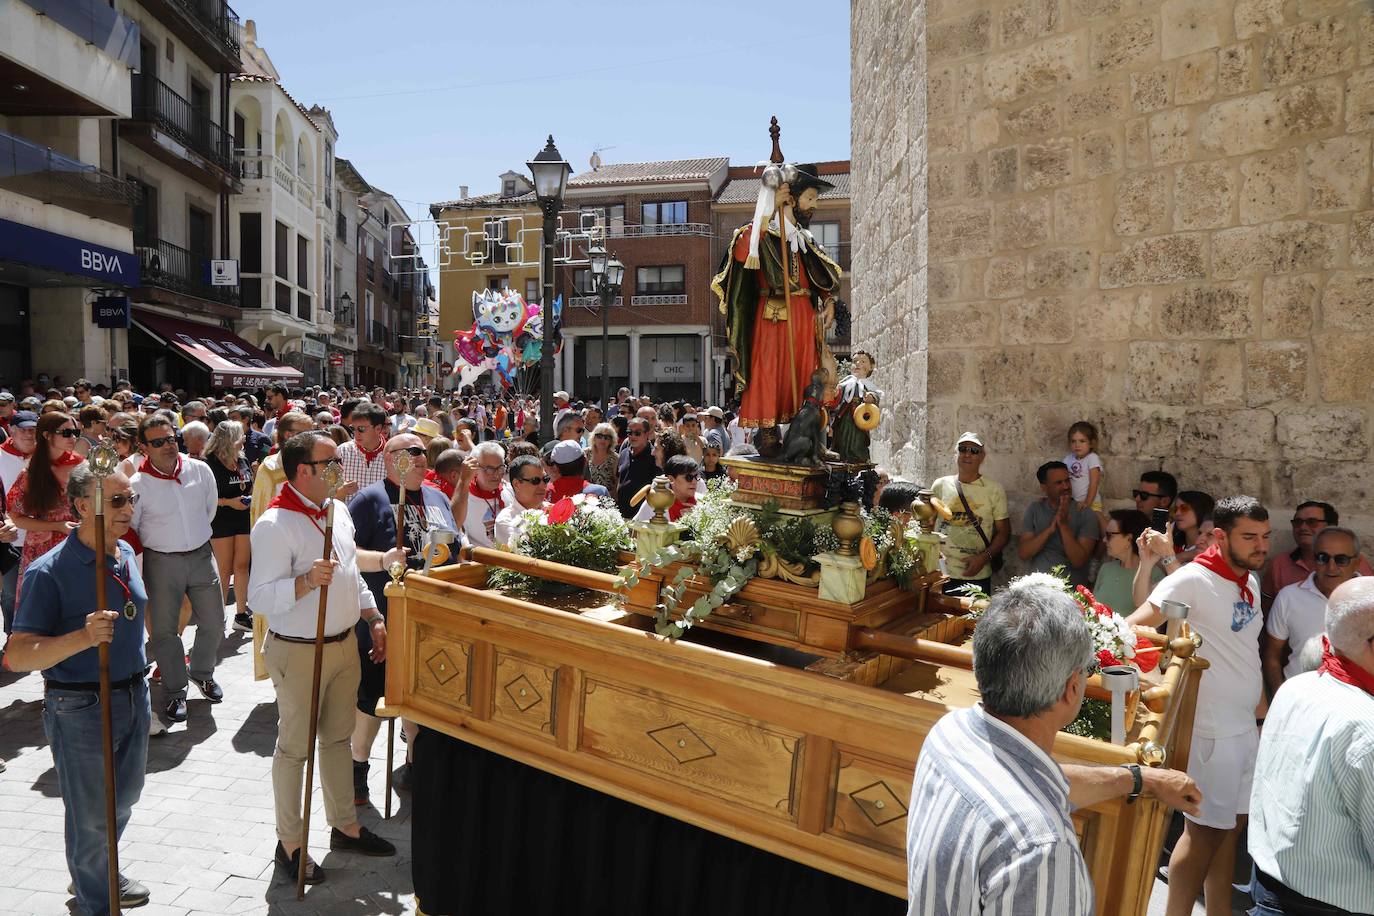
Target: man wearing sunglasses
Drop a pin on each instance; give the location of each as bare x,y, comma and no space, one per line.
362,457
178,498
530,485
981,524
1286,569
637,466
373,512
1299,610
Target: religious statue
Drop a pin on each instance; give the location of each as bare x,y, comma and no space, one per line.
776,288
853,421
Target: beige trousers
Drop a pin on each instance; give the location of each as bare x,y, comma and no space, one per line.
292,666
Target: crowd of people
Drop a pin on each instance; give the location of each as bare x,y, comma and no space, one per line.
218,501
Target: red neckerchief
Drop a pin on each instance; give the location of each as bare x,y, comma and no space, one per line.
432,479
679,508
9,448
67,460
284,410
292,501
1344,670
147,468
565,486
492,497
1211,559
371,456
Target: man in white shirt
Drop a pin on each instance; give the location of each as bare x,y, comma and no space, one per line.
480,498
361,458
287,572
1299,610
530,484
177,499
1312,832
1223,594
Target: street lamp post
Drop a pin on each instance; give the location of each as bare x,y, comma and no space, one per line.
550,173
607,274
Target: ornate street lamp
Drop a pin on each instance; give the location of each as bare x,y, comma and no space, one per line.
550,172
607,273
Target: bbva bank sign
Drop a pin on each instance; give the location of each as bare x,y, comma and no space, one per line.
39,248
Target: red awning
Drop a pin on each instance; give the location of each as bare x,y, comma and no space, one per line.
231,361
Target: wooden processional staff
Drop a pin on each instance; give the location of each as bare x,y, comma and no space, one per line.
103,461
333,476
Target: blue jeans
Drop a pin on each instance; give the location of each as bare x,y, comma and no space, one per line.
71,719
1272,899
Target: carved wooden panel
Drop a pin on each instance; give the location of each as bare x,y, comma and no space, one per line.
870,802
524,694
443,667
721,755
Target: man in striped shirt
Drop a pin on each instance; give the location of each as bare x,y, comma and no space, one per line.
1312,808
988,827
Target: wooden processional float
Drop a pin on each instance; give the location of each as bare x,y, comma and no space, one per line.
788,720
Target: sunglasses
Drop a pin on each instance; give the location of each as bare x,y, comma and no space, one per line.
414,451
970,450
690,478
160,441
605,436
1340,559
124,499
1146,494
67,433
1308,522
325,461
535,480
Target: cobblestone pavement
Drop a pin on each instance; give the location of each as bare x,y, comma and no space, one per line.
202,836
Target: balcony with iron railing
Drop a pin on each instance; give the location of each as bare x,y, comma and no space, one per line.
660,299
209,27
658,229
159,106
379,335
171,267
36,171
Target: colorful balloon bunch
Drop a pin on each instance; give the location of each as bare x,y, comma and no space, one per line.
507,332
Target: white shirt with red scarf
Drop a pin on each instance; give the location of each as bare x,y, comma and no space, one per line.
483,508
12,464
174,510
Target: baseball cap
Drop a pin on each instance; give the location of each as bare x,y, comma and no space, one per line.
24,419
562,394
565,451
715,412
969,437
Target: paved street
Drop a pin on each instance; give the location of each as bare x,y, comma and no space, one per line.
202,836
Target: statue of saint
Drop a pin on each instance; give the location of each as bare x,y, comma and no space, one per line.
849,440
778,299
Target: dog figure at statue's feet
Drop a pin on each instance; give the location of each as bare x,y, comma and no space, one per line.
805,439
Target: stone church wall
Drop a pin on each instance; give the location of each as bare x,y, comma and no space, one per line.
1152,215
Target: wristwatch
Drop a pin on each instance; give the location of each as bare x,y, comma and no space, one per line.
1170,560
1135,786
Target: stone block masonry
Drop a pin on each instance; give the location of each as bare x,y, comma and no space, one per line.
1152,215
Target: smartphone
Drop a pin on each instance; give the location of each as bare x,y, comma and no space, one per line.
1159,519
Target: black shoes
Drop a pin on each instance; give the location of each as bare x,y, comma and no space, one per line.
209,689
366,843
176,709
400,778
243,623
360,794
313,873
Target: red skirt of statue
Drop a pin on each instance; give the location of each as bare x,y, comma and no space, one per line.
769,398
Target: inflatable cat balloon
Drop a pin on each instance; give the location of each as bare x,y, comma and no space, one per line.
499,315
530,343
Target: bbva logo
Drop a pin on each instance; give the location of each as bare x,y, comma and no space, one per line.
105,263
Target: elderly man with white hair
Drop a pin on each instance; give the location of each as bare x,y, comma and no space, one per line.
1312,808
988,826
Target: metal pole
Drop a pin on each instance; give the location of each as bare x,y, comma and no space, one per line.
607,295
546,356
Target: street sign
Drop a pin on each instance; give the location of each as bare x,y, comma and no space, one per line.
224,273
111,312
336,359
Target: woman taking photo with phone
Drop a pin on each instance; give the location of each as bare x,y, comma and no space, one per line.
230,527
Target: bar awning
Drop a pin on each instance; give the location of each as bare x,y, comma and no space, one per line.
231,361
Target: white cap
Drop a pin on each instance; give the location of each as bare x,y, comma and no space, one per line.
565,451
969,437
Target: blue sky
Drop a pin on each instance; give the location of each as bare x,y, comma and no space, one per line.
432,94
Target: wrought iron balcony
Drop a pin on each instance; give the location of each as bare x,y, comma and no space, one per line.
36,171
379,335
157,104
167,266
678,299
209,27
639,231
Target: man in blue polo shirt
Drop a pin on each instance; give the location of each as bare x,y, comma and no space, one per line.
56,629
